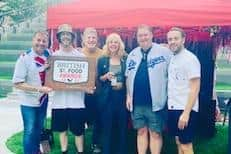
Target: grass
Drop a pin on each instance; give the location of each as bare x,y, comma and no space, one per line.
216,145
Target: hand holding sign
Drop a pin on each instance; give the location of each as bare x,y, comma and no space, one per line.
90,90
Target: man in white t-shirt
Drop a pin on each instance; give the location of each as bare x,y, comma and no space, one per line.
68,108
29,78
183,90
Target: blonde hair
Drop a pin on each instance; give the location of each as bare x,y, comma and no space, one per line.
87,31
114,36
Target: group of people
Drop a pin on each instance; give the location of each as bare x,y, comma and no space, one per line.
157,86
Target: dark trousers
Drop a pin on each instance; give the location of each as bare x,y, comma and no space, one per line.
93,117
114,120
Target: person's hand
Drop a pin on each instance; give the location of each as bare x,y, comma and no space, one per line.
45,89
118,86
218,114
46,66
90,90
183,121
108,76
129,103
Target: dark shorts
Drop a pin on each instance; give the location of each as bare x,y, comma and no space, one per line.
143,116
72,119
186,135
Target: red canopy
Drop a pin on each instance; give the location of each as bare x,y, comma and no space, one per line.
130,13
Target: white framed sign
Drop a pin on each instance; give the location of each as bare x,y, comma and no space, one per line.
68,73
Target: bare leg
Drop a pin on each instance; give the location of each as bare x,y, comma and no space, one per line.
63,141
79,143
155,142
178,145
142,140
187,148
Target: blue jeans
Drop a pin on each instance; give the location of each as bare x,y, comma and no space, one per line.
33,121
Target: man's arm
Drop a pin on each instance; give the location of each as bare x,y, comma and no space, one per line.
193,94
26,87
129,98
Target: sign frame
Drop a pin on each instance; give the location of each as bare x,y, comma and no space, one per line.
57,85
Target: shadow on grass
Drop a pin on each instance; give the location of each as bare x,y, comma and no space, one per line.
215,145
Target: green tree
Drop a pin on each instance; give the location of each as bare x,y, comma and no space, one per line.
20,10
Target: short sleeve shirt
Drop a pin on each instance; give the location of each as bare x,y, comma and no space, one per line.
68,99
27,70
183,67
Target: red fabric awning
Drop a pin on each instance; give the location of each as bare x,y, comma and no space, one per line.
130,13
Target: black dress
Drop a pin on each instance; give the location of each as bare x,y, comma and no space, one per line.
113,109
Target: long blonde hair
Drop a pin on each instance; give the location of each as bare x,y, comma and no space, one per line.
114,36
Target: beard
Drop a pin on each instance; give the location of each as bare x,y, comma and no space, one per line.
39,49
66,43
145,45
176,49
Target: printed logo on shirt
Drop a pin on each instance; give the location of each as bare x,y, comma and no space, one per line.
131,65
179,75
155,61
